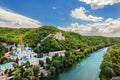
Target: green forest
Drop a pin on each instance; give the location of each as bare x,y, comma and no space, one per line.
2,50
32,37
110,68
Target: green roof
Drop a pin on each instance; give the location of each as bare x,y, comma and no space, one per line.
19,46
7,64
9,46
13,55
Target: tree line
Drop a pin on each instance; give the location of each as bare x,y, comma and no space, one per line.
110,67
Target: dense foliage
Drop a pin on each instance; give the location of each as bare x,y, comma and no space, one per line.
25,71
75,41
33,36
2,50
110,67
30,36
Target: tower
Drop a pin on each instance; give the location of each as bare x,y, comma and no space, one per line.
21,44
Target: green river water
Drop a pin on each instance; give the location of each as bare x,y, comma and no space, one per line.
88,69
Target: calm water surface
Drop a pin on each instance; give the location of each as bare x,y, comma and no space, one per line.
88,69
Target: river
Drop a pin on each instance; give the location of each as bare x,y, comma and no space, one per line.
88,69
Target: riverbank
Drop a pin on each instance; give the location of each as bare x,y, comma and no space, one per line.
110,67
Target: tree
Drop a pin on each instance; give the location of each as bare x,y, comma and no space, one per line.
36,70
27,64
2,50
42,76
47,66
52,69
109,72
15,65
49,73
57,65
3,60
17,75
48,60
10,72
28,73
41,63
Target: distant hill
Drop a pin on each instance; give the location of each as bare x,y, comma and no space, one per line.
33,36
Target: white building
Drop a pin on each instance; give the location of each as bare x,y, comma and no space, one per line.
23,54
6,66
59,36
33,61
2,72
60,53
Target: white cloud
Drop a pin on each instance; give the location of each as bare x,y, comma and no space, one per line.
11,19
109,28
97,4
80,13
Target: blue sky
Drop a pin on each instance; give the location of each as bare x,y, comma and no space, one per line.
64,13
43,11
56,12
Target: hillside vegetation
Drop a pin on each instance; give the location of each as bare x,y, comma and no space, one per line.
110,67
72,40
2,50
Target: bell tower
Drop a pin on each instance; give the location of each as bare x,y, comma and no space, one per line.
21,44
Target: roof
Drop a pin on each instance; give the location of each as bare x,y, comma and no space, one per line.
7,64
19,46
27,48
9,46
13,46
62,51
13,55
44,58
24,59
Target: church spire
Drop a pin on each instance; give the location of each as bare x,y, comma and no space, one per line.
21,43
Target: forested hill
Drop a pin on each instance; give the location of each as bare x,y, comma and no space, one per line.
32,37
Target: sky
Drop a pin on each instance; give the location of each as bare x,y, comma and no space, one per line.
87,17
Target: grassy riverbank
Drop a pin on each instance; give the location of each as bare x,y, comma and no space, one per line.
110,67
